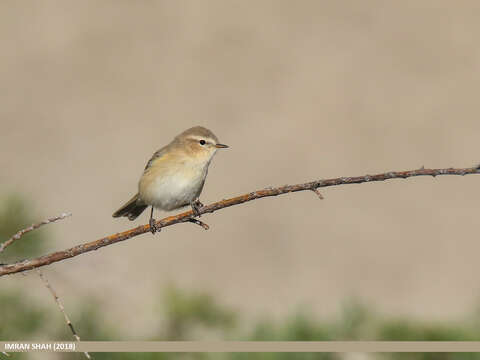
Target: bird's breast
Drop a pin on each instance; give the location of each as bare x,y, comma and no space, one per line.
170,186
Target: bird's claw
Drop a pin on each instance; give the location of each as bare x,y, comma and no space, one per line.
153,226
196,207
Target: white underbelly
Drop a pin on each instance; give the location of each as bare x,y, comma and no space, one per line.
172,192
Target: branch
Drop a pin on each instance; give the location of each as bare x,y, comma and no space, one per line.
186,216
32,227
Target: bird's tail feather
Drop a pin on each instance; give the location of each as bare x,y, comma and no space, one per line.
132,209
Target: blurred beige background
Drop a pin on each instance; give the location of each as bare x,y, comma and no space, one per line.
300,90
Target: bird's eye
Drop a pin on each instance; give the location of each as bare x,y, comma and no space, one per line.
202,142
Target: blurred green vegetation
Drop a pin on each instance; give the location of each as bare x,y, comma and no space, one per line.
15,215
187,315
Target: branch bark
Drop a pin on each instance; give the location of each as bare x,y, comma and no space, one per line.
186,216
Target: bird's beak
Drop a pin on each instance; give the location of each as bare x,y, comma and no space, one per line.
221,146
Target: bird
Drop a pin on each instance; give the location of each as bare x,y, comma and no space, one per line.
174,176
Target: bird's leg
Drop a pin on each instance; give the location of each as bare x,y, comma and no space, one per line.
198,222
196,207
153,227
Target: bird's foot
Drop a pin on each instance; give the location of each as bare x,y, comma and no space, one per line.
198,222
196,207
153,226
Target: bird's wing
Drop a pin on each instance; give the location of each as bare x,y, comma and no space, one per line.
154,157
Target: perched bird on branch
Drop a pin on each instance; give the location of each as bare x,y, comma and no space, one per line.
174,176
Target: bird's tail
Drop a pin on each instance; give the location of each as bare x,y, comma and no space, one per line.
131,209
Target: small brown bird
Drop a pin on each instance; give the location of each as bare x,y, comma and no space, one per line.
175,175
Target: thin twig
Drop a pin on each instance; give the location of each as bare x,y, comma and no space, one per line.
319,194
60,306
32,227
179,218
199,223
4,353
